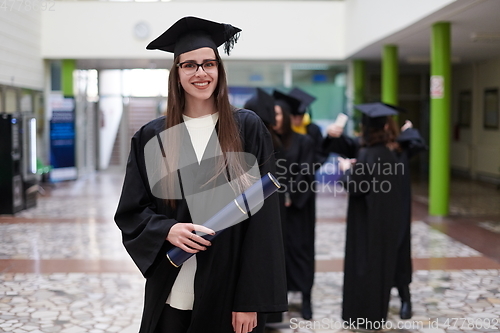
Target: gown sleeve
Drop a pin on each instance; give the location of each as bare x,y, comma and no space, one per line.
143,228
343,145
261,279
320,155
412,142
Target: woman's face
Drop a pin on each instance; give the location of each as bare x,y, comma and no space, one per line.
199,85
297,119
279,118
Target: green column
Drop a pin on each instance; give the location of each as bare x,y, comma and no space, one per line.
359,81
390,74
439,169
68,66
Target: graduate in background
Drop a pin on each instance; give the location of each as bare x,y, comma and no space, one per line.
297,175
231,283
373,224
404,144
263,105
302,124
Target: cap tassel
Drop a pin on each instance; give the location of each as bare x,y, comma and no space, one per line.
231,38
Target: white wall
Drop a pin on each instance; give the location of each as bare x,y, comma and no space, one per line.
478,146
368,21
271,30
111,110
21,63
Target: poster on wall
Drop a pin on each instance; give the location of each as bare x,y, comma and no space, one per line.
62,138
239,95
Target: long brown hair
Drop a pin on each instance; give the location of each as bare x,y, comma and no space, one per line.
374,131
393,132
230,165
286,124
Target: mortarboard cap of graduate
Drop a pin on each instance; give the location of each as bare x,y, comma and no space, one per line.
263,105
192,33
376,109
375,114
305,99
292,102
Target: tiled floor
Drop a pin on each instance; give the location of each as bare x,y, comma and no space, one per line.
63,268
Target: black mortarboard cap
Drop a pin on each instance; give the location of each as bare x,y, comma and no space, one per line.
191,33
375,114
377,109
263,105
292,102
304,98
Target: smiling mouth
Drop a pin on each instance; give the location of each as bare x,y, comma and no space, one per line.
201,84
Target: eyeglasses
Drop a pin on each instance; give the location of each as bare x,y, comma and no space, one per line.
190,67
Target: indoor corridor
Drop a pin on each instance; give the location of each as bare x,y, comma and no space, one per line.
63,267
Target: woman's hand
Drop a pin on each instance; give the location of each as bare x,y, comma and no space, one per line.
408,124
182,236
345,163
244,322
288,200
334,130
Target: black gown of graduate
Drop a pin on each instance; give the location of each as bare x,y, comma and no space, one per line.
411,144
320,156
279,156
373,223
299,225
243,270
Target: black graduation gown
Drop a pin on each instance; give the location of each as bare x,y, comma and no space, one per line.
244,268
300,225
320,156
371,238
277,317
411,144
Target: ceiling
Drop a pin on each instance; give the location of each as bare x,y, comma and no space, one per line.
467,17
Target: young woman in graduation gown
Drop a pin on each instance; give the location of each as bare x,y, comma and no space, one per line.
295,171
405,145
373,223
263,105
303,124
238,276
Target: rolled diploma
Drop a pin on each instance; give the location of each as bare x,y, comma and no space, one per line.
232,213
341,119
